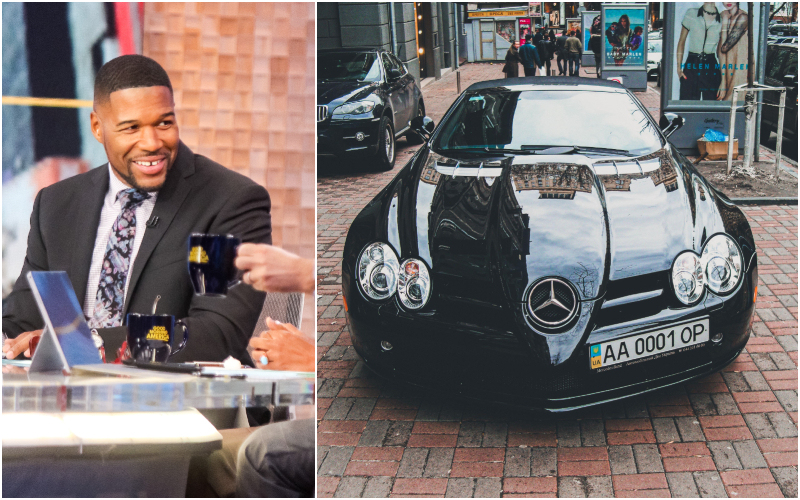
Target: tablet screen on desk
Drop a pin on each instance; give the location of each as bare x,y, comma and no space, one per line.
62,314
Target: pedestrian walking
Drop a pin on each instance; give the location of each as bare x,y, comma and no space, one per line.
574,50
538,36
511,68
561,53
529,56
545,48
595,45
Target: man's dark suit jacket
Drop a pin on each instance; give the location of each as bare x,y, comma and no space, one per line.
198,196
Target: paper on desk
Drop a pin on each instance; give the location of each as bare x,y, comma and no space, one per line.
254,374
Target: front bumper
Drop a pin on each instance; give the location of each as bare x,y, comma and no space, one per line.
497,361
338,137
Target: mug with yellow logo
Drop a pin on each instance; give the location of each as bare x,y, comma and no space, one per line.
150,336
211,266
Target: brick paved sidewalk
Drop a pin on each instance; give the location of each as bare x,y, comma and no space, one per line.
731,434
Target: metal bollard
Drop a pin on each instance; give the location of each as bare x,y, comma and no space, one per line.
458,81
779,142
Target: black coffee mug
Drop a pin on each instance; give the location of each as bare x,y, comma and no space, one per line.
211,266
150,337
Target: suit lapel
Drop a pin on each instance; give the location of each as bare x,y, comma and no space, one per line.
170,198
86,221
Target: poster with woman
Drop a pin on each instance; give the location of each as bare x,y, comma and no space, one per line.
591,26
554,19
623,36
710,49
535,9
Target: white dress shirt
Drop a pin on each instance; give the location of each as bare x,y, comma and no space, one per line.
110,212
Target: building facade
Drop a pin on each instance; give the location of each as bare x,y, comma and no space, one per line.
424,35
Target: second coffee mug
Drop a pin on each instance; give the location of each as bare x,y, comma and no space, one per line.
211,266
150,337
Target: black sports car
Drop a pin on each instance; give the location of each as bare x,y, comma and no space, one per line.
366,99
548,247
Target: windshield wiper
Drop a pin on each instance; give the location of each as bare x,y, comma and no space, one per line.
564,150
491,150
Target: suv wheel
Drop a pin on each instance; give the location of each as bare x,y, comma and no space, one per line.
384,159
411,136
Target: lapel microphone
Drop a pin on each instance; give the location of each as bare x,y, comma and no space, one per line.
152,222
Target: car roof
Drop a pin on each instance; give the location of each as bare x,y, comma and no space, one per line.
549,83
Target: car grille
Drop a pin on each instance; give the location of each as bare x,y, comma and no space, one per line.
322,113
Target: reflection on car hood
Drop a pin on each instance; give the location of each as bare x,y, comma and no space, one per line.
504,223
341,92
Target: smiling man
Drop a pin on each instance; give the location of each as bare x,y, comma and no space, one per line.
121,231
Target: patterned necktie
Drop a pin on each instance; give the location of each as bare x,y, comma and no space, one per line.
116,262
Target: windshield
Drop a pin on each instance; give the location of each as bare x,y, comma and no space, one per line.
540,119
349,67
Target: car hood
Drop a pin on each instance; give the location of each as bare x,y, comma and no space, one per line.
341,92
490,228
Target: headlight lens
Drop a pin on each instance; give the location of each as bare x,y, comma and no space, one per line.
688,278
414,284
354,108
722,263
378,268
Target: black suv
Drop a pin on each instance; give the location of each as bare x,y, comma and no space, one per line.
781,71
366,99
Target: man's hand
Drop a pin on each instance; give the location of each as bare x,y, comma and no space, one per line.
271,269
284,347
13,347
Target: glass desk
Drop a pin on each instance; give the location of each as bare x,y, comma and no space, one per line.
118,388
114,430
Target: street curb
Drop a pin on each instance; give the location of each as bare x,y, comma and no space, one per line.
767,200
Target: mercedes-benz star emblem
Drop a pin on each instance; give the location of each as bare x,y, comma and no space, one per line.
552,302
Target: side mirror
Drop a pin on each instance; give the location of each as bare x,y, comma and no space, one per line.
423,126
789,80
394,74
670,122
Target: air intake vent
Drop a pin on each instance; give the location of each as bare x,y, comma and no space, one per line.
322,113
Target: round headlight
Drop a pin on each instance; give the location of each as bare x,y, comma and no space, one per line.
722,263
414,284
377,271
688,278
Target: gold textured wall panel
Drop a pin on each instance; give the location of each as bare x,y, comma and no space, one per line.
243,77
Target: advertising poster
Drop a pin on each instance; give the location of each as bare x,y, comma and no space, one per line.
590,26
506,29
710,48
554,19
535,9
573,25
624,33
524,29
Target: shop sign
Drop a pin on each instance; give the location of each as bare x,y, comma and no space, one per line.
498,13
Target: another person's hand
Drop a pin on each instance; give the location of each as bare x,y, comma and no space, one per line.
13,347
681,75
271,269
284,348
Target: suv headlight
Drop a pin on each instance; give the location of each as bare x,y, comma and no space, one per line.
688,277
354,108
378,268
722,263
414,284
